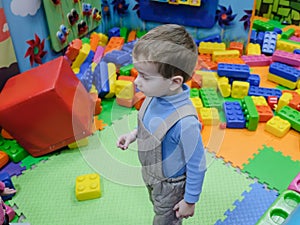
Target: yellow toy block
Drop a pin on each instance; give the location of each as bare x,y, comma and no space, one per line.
195,2
286,46
103,39
226,53
184,2
112,78
277,126
80,143
224,86
208,79
298,84
239,89
124,89
174,2
259,100
87,187
284,100
197,103
298,90
284,82
83,53
210,47
253,49
210,116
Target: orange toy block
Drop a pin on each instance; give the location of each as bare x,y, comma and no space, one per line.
265,112
3,159
73,49
237,46
131,36
94,40
128,78
196,81
56,109
134,72
230,60
97,103
138,100
115,43
6,135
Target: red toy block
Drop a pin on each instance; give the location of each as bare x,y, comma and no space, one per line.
73,49
97,103
295,184
272,101
46,108
265,112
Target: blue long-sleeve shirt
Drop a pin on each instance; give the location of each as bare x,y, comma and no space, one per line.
182,143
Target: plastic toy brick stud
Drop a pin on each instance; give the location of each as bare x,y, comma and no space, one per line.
277,126
73,17
86,9
234,115
269,44
87,187
291,115
295,184
250,112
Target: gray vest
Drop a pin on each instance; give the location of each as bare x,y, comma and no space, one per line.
149,145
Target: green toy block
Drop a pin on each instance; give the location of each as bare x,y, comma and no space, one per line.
275,23
279,211
262,26
15,152
287,34
85,40
250,112
194,92
291,115
124,33
140,33
125,70
210,98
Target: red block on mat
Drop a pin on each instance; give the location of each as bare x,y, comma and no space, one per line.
46,108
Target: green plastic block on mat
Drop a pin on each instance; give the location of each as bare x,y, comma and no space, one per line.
125,70
124,33
291,115
210,98
15,152
194,92
279,211
272,168
250,113
262,26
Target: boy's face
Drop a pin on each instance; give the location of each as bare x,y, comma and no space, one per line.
150,82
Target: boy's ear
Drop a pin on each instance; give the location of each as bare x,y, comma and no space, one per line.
176,82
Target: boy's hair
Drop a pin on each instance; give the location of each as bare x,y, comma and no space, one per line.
171,48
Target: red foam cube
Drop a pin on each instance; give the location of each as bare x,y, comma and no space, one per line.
46,108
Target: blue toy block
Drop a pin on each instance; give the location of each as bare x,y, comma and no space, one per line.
260,38
251,208
88,60
114,32
269,43
284,71
118,57
234,115
128,46
266,92
253,36
87,78
254,80
5,178
297,51
277,30
101,79
293,218
212,38
236,71
13,169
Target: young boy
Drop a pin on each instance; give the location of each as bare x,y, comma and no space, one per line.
169,142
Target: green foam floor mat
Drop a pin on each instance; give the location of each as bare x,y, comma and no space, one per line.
46,194
272,168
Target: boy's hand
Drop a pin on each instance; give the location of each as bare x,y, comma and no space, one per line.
184,209
126,139
8,191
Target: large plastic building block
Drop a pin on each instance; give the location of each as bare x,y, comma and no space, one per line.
194,93
260,38
250,112
295,102
51,103
235,71
294,217
210,98
124,33
277,126
128,46
124,89
297,51
100,79
211,38
3,157
209,116
253,36
103,39
230,60
285,71
208,79
254,80
15,152
288,33
112,76
282,81
291,115
94,40
265,112
279,211
269,44
286,57
88,187
114,43
294,38
114,32
262,26
125,70
73,49
259,100
257,60
210,47
253,49
288,46
237,46
118,57
13,169
266,92
98,54
226,53
294,185
284,100
83,53
5,178
239,89
197,103
224,86
234,115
